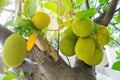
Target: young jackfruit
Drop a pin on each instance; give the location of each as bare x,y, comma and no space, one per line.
97,57
67,44
82,27
14,50
102,35
41,20
85,48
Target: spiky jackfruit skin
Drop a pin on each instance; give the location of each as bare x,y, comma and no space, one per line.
102,35
67,44
41,20
84,48
82,27
97,57
14,50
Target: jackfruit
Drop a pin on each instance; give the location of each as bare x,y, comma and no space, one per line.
67,44
102,35
14,50
84,48
82,27
41,20
97,57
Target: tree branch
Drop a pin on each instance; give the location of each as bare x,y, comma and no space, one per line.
87,4
117,10
109,14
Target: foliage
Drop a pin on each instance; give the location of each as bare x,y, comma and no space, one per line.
12,74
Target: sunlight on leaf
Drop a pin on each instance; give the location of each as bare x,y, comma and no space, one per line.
22,74
102,1
9,77
51,6
31,41
117,19
79,1
5,69
86,13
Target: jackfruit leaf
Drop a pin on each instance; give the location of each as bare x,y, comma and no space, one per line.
118,58
5,69
26,8
4,3
86,13
106,7
9,23
59,20
9,77
34,29
31,41
29,8
117,19
51,6
66,5
22,22
116,66
22,74
117,53
102,1
67,31
79,1
68,23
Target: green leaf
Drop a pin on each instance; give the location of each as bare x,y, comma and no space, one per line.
22,22
51,6
59,20
9,23
32,7
4,3
117,19
5,69
102,1
106,7
67,4
22,74
9,77
79,1
116,66
118,58
26,8
117,53
86,13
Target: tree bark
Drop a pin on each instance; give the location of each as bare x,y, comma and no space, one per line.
44,67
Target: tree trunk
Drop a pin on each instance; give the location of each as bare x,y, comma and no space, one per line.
43,66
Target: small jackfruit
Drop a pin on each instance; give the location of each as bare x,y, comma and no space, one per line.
67,44
41,20
14,50
102,35
82,27
85,48
97,57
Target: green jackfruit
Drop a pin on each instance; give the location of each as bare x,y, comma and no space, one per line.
85,48
82,27
97,57
102,35
67,44
14,50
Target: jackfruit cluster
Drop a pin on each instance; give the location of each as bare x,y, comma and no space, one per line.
14,51
88,44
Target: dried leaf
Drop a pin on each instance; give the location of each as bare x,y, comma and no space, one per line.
53,53
31,41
